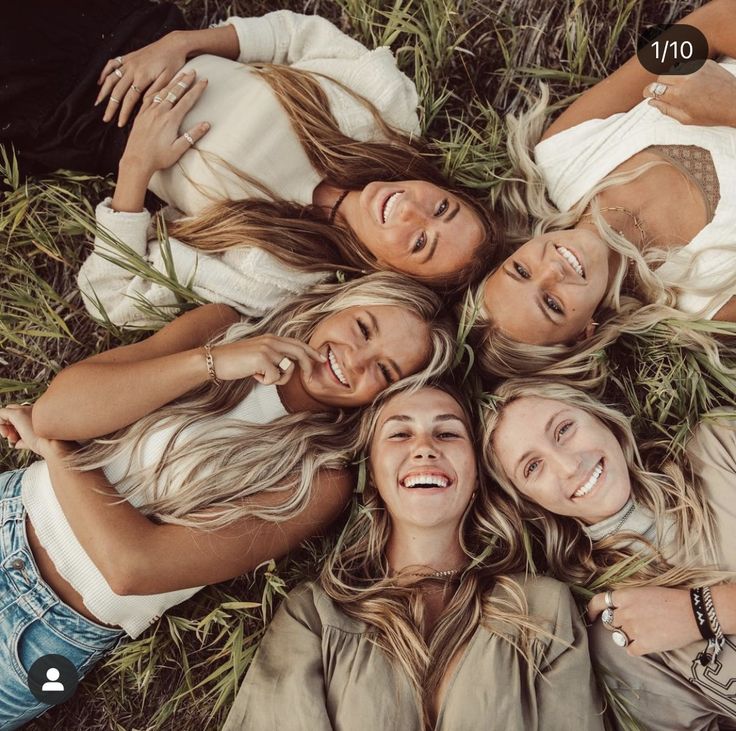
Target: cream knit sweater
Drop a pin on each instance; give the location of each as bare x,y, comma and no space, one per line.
251,132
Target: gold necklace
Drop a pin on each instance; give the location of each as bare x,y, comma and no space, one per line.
637,223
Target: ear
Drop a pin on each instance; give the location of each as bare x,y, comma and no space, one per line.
587,331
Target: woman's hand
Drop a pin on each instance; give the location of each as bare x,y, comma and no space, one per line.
263,357
126,79
155,142
17,427
655,619
706,97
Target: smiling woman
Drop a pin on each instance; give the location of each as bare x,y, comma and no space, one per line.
212,445
598,509
403,612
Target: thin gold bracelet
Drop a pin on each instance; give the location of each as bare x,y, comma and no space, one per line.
211,365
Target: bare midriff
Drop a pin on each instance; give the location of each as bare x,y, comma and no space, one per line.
61,587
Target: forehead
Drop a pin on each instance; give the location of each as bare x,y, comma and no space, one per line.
426,403
523,423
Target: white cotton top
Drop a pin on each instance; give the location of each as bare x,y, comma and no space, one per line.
575,160
134,613
252,132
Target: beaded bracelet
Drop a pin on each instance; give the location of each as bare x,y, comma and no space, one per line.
211,364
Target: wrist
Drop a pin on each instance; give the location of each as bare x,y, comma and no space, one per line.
55,449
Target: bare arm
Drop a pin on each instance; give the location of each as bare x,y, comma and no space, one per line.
113,389
622,90
727,313
138,556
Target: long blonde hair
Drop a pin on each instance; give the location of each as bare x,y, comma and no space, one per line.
638,297
298,235
203,482
356,576
667,488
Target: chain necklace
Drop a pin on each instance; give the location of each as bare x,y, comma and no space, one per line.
336,205
637,223
620,523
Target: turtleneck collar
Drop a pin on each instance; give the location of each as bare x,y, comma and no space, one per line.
632,518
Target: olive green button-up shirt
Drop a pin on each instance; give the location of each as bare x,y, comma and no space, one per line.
318,670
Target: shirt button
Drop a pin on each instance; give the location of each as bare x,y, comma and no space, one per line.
18,563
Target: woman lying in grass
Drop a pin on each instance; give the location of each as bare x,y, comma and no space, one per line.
602,511
303,170
649,190
404,630
227,452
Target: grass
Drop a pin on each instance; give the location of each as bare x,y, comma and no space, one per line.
471,60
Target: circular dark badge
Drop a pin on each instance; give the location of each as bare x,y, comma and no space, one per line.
53,679
675,49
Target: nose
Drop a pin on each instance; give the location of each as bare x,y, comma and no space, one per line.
357,359
411,211
567,463
551,272
424,448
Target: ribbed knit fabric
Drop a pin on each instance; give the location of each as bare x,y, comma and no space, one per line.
576,159
134,612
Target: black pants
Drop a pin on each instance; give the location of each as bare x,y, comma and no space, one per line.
51,54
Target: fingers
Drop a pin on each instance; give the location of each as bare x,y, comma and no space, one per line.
110,66
189,139
133,95
159,83
595,606
670,110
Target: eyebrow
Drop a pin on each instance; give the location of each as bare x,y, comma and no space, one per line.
540,304
452,214
377,330
439,417
547,426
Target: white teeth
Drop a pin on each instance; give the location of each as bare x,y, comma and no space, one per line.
428,479
336,368
572,260
590,484
389,205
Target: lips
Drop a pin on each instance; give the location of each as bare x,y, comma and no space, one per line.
572,259
425,479
586,488
335,369
388,205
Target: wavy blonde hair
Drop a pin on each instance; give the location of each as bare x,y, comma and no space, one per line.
638,298
668,488
203,481
298,235
357,577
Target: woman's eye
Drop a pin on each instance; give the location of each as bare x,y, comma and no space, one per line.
553,304
420,243
533,466
448,435
521,271
399,435
564,428
364,329
442,207
386,373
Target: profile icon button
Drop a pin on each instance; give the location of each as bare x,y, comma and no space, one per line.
53,679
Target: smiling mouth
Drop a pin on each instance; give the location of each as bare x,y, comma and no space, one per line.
388,205
571,259
334,367
425,480
592,481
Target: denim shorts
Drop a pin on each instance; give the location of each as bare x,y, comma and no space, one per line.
33,620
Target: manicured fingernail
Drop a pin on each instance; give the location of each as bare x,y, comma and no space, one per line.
205,125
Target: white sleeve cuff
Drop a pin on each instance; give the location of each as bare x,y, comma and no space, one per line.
255,37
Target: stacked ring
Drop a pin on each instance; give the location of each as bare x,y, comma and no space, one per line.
114,99
157,99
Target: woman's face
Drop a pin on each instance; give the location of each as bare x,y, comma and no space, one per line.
548,290
562,458
422,459
367,348
414,227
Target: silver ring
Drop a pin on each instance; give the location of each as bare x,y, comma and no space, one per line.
135,88
183,84
119,60
157,99
114,99
188,138
171,97
620,638
657,89
284,364
118,73
607,617
609,599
